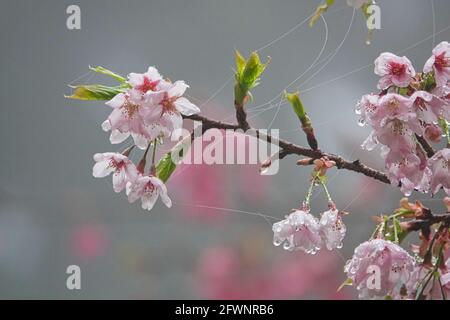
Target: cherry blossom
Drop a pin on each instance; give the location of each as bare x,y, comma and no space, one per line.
443,93
440,167
169,105
148,81
150,109
332,228
123,169
392,261
432,289
397,139
394,70
439,62
429,107
410,171
147,188
127,119
300,230
392,106
366,108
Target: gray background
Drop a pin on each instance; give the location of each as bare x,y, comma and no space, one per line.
47,192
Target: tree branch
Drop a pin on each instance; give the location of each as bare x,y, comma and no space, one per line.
241,116
426,146
291,148
419,224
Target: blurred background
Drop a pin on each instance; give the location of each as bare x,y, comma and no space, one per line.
212,243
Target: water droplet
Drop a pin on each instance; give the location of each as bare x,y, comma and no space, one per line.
361,122
358,108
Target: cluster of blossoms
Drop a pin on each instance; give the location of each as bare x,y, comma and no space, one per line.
411,111
149,110
380,268
301,230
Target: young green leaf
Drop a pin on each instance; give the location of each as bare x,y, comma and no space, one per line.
95,92
165,167
299,110
247,74
240,61
109,73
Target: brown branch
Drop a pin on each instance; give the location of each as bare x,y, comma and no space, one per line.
420,224
241,116
426,146
290,148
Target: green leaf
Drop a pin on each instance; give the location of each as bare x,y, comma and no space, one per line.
428,82
240,61
252,71
95,92
247,74
298,108
347,282
445,126
109,73
165,167
296,104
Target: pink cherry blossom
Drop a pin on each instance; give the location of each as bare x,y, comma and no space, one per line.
432,289
396,136
393,262
392,106
410,171
393,70
332,229
439,62
433,132
440,167
428,106
123,169
169,105
150,109
443,93
127,119
148,189
366,108
149,81
300,230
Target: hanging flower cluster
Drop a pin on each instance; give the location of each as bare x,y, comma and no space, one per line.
148,109
411,111
392,262
301,230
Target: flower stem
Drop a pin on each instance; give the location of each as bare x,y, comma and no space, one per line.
154,152
153,167
326,191
309,194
